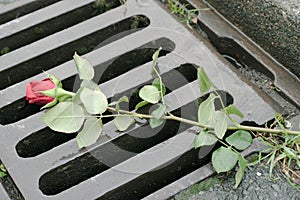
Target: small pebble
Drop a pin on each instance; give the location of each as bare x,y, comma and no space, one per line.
258,173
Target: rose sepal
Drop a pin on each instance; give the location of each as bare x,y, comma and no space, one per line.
55,80
50,93
49,105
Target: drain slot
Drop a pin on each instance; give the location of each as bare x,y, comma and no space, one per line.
139,188
26,9
64,53
266,84
54,25
226,46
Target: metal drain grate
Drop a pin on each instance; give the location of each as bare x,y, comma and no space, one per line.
139,163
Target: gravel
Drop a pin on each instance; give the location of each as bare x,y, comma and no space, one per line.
256,184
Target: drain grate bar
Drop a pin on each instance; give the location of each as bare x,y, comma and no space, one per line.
18,9
59,39
198,175
38,16
170,156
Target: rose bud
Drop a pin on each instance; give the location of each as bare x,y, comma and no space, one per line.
47,92
34,91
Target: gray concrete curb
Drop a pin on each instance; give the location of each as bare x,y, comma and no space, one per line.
273,24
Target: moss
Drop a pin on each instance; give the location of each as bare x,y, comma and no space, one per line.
38,30
205,185
138,21
82,50
4,50
253,158
195,189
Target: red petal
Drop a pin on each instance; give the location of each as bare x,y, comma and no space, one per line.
45,84
29,93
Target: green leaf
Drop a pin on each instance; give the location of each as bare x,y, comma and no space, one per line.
141,104
156,83
76,97
231,109
66,117
150,94
123,122
240,139
290,153
154,59
241,171
239,177
204,138
220,125
155,56
123,99
2,168
159,112
224,159
2,174
91,131
155,122
94,101
204,82
90,84
84,68
271,162
117,103
206,110
113,103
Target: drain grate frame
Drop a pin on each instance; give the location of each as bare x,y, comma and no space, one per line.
223,34
27,171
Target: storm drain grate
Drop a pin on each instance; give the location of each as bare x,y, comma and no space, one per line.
119,41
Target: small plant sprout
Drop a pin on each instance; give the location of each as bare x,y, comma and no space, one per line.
188,16
3,171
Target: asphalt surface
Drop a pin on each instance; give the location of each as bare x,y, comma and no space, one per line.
256,185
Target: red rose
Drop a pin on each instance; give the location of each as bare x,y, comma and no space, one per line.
34,88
